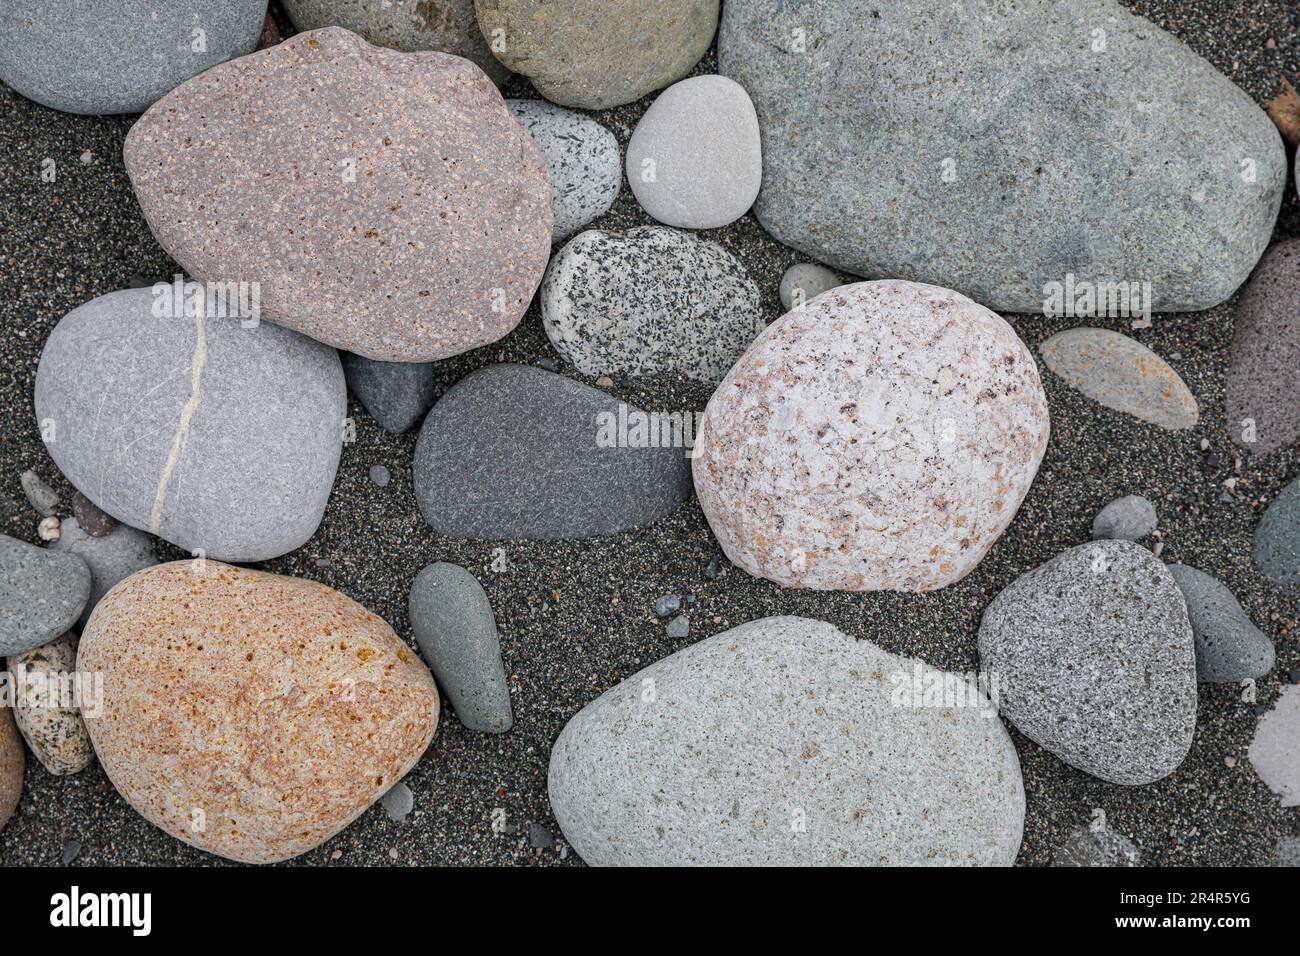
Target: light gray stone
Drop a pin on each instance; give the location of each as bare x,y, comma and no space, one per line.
582,160
804,281
395,394
1092,658
41,496
1229,647
398,802
1275,750
457,633
84,56
215,437
1131,518
42,593
712,756
46,708
111,558
649,301
973,146
695,160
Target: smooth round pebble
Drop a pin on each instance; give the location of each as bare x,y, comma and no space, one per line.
1277,537
1130,518
395,394
12,762
380,476
1229,647
1275,750
111,558
42,593
804,281
42,497
398,802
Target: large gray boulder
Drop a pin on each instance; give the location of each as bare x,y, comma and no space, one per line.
786,742
993,148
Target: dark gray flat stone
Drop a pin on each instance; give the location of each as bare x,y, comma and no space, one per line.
395,394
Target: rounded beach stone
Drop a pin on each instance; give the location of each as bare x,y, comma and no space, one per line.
1275,750
1131,518
395,394
517,452
1277,538
1121,374
598,55
649,301
804,281
782,742
231,696
111,557
880,438
385,203
1091,656
82,56
1263,393
457,633
582,160
218,438
46,707
1229,647
448,26
12,763
695,160
42,593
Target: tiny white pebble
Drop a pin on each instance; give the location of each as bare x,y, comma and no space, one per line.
1160,546
87,158
1230,483
1205,443
392,854
49,529
1230,761
337,854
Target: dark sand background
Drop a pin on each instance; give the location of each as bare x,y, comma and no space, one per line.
576,616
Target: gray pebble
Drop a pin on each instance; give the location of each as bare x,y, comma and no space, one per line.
111,558
42,497
395,394
804,281
1277,539
380,475
1229,647
679,627
42,593
1130,518
539,838
667,605
398,802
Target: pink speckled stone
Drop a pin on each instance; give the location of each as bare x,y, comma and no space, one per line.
388,203
879,438
250,714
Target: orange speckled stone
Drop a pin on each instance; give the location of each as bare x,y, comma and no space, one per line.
249,714
11,766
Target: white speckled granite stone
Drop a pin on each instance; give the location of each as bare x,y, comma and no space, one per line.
695,160
782,742
649,301
1094,660
880,438
46,709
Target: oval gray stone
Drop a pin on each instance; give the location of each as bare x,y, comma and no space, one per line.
215,437
804,281
972,146
1277,538
111,558
582,160
516,452
695,160
1275,750
1229,647
42,593
649,301
457,633
782,742
1131,518
1092,657
82,56
395,394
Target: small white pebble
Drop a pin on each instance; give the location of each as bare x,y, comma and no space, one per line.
336,855
1160,546
1230,483
49,529
1230,761
87,158
392,854
1205,443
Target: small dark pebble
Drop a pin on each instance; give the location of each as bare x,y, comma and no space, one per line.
380,475
711,569
1294,676
539,838
668,605
70,851
94,522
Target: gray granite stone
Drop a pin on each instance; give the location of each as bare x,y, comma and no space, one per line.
785,742
457,633
1277,538
804,281
972,146
1130,518
1275,750
215,437
695,160
1229,647
111,558
517,452
85,56
395,394
649,301
582,160
42,593
1093,659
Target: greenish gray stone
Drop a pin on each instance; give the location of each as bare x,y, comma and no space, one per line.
457,633
1229,647
111,558
1277,539
42,593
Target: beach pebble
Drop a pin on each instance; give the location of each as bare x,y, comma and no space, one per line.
46,708
694,160
380,476
517,452
1263,391
804,281
1089,847
448,26
399,210
781,742
904,138
678,628
1229,647
1092,658
599,55
457,633
649,301
539,838
215,437
1131,518
111,558
90,519
398,802
231,694
1277,537
49,529
1121,374
41,496
582,159
42,593
394,394
1286,853
1275,751
667,605
880,438
83,56
12,762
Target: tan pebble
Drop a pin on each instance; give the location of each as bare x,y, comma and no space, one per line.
11,766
